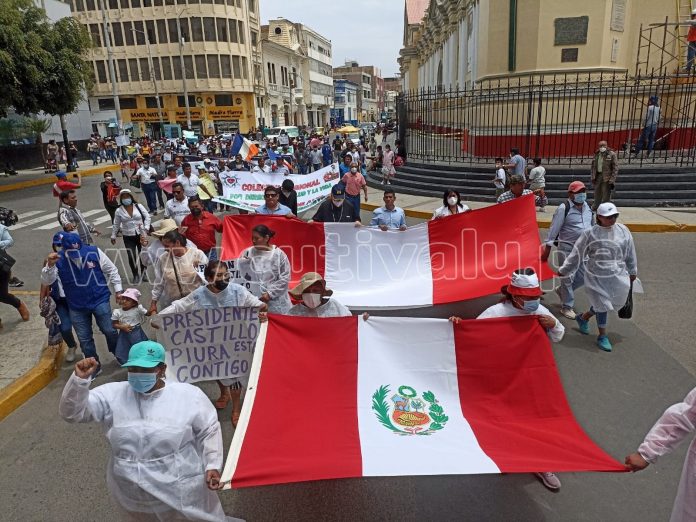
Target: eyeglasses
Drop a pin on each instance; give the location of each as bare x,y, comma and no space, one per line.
270,195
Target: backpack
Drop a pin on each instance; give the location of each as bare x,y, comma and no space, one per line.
8,217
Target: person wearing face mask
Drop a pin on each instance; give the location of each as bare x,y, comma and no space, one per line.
219,293
315,299
451,205
165,438
336,209
315,157
110,189
132,220
608,254
523,297
271,268
288,195
354,182
176,274
603,172
571,218
200,227
148,181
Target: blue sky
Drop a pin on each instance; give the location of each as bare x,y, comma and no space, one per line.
369,31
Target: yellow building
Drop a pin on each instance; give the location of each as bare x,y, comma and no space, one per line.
452,43
212,47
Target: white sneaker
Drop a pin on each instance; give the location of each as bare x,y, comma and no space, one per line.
550,480
70,357
568,312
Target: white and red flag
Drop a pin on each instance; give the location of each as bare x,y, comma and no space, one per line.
460,257
342,397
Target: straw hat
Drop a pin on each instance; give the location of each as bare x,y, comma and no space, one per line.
308,280
164,226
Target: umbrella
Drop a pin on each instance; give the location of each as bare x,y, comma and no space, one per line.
348,129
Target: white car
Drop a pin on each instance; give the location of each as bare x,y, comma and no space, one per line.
291,131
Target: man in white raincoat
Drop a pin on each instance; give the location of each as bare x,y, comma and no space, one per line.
316,299
676,423
166,443
609,257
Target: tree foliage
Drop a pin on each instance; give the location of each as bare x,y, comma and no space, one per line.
42,64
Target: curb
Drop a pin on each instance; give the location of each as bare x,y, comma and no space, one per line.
633,227
51,179
32,382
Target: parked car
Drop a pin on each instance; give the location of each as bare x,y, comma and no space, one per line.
291,131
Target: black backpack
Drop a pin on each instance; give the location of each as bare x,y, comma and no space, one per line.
8,217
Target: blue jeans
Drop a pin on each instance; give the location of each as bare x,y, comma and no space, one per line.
65,323
568,285
95,156
150,190
82,321
602,318
355,201
648,134
690,55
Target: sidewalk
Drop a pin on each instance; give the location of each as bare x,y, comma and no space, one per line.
654,219
36,177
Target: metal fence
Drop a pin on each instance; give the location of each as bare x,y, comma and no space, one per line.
557,117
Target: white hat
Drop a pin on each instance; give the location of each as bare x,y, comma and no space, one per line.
607,209
524,282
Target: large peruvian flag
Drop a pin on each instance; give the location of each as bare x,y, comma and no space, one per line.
343,397
460,257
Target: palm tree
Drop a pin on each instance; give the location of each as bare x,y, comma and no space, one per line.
36,127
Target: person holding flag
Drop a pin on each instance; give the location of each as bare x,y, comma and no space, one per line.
241,145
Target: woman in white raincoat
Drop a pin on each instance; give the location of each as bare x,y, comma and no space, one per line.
609,255
523,297
676,423
166,443
271,268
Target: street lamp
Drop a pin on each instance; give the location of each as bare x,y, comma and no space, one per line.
151,65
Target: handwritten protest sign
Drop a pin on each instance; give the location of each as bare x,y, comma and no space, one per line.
245,190
209,344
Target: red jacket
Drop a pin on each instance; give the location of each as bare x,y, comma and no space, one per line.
201,230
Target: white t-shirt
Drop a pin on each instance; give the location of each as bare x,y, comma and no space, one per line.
190,184
537,177
499,181
147,175
177,210
133,317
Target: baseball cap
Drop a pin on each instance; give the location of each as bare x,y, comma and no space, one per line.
607,209
145,354
576,186
338,192
58,238
61,174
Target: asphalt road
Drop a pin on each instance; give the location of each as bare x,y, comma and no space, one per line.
56,471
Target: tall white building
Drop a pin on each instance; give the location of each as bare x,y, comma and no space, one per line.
319,100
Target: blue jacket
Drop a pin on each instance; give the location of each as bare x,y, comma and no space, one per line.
326,152
82,278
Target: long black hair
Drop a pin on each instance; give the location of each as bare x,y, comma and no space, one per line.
446,195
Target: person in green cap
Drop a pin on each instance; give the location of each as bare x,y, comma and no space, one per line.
166,442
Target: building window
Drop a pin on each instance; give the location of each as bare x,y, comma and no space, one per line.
176,67
101,72
252,6
245,68
128,33
151,102
225,66
196,29
127,103
201,70
173,34
221,29
254,38
147,3
185,30
206,1
123,70
158,3
113,4
182,103
278,31
150,30
209,28
106,104
270,76
156,67
89,5
274,74
234,38
213,66
236,72
188,65
95,33
241,32
284,76
117,34
139,32
166,68
135,4
162,32
223,100
144,70
79,5
133,69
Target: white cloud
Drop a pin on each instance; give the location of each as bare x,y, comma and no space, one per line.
369,31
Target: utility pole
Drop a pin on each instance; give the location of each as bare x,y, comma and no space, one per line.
183,71
151,65
112,68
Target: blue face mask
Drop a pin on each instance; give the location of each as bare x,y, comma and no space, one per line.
531,306
142,382
580,198
126,202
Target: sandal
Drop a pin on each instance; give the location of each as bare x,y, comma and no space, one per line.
222,401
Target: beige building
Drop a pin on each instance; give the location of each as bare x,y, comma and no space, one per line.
371,88
211,47
452,43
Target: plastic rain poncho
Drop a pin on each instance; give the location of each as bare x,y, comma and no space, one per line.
676,423
162,443
272,269
609,256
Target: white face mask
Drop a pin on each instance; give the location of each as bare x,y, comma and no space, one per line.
602,149
452,201
311,300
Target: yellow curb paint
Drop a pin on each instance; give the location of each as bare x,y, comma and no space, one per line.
25,292
633,227
51,179
32,382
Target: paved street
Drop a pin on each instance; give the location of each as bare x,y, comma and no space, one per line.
56,471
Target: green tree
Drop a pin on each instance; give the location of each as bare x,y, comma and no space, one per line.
36,127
